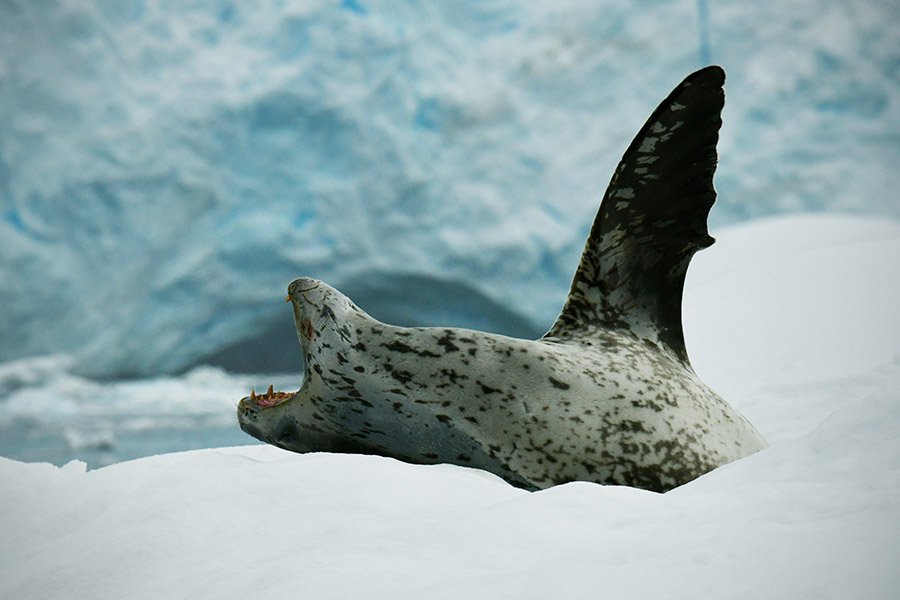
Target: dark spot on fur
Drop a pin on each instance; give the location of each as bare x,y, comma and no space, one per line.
486,389
559,384
398,346
447,341
402,376
452,375
633,426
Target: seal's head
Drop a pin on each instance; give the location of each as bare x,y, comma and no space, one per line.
301,421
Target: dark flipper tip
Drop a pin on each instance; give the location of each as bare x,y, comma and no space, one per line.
651,221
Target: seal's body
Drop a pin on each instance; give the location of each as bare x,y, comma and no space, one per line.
607,395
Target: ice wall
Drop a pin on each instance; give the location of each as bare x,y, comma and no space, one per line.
167,168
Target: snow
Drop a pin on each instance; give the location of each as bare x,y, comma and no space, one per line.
799,333
833,275
167,168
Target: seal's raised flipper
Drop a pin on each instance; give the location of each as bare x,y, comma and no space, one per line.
651,221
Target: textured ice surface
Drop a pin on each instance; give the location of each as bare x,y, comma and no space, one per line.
166,169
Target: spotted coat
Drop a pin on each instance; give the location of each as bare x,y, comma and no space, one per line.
608,395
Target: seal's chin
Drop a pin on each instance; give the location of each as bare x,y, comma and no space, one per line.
263,416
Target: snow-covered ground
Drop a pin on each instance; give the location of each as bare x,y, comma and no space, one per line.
794,320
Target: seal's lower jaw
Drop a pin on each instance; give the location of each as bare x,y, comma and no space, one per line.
254,411
280,426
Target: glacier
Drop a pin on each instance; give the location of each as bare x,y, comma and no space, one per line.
166,169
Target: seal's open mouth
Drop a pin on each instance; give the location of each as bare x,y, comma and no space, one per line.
270,398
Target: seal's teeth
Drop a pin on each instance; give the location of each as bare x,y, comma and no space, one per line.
271,390
252,395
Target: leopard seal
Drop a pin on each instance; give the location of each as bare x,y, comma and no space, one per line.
608,395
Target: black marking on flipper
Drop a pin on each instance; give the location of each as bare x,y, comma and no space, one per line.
651,222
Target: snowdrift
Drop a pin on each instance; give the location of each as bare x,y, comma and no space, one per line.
793,320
